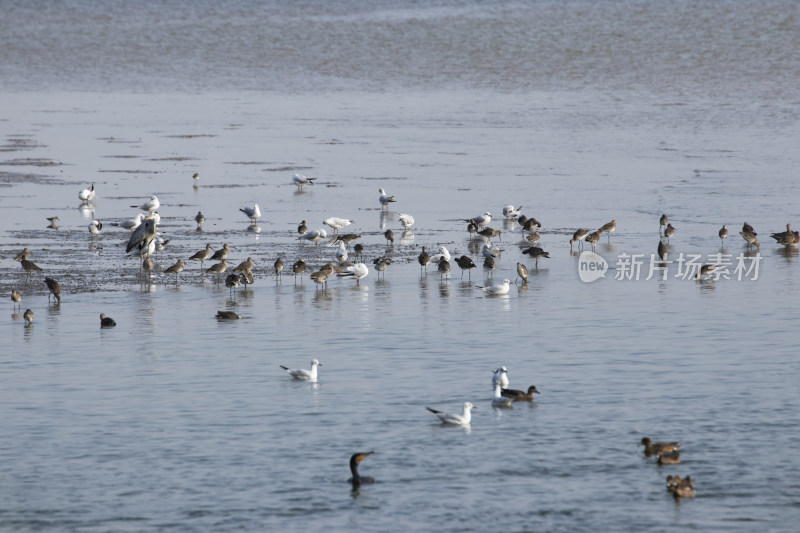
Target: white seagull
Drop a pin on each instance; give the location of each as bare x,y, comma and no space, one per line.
301,181
500,377
510,211
443,254
95,227
482,220
406,220
301,374
498,400
131,224
488,251
87,195
384,198
337,223
315,235
358,271
150,205
496,290
253,213
341,253
457,420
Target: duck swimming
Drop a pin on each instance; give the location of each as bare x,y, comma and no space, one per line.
656,448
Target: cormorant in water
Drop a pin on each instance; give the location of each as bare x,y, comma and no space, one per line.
357,480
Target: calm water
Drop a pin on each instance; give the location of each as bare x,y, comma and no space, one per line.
580,111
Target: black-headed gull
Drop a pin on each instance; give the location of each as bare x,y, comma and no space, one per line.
150,205
496,290
498,400
443,254
301,181
500,377
455,419
482,220
341,253
301,374
510,211
87,195
314,235
95,227
337,223
406,220
357,271
384,198
253,213
131,224
488,251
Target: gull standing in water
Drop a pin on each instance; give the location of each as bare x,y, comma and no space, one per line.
337,223
406,220
95,227
341,253
301,181
385,199
357,271
150,205
496,290
443,254
500,377
455,419
253,213
87,195
510,211
131,224
315,235
301,374
482,220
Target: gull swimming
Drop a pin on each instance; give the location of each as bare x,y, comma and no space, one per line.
496,290
357,271
151,205
253,213
462,419
301,374
498,400
500,377
337,223
87,195
406,220
301,181
385,199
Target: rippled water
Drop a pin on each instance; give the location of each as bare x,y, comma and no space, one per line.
580,111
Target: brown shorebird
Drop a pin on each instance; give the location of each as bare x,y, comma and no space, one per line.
381,264
466,264
472,229
424,258
592,238
16,297
663,222
202,255
531,225
55,289
199,218
522,272
278,265
302,228
608,227
218,269
389,234
723,234
176,269
535,252
221,254
29,267
299,267
662,251
578,237
443,268
750,237
358,249
148,266
24,254
319,277
347,238
489,264
196,181
705,270
533,237
669,231
488,233
747,228
28,316
106,321
232,282
244,265
656,448
246,278
788,237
